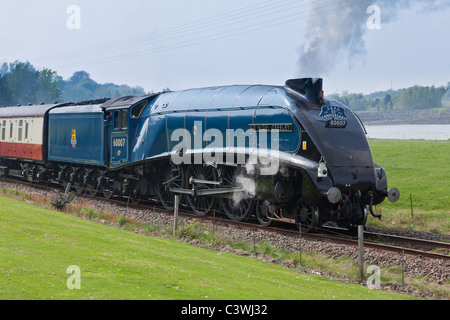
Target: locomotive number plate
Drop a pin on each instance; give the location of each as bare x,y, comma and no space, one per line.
119,142
336,124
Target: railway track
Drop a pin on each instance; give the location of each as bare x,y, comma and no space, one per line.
380,241
410,246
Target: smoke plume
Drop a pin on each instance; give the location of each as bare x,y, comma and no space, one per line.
335,30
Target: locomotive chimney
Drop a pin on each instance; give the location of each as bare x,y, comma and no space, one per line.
311,88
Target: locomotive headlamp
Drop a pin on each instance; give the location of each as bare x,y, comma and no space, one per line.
334,195
322,171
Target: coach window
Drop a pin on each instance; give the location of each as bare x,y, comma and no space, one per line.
4,130
11,130
19,132
26,130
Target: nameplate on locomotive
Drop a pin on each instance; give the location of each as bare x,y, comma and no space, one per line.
281,127
333,112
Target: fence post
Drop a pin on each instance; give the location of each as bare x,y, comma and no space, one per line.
361,250
175,221
411,201
403,268
300,245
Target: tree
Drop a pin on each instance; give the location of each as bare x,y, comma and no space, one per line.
78,76
21,83
47,86
387,102
4,69
5,95
22,80
419,98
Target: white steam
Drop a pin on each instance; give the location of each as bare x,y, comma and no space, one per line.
249,185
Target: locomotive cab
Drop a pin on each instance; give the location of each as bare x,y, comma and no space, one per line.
118,142
122,120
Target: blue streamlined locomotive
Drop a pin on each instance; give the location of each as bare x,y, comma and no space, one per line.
281,153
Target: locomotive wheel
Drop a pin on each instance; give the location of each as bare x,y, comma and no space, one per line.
135,200
107,193
64,175
237,211
78,183
201,205
92,184
263,212
238,207
308,217
170,176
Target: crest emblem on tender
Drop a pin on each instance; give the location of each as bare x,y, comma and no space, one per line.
73,140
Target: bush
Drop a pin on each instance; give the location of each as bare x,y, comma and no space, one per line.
61,200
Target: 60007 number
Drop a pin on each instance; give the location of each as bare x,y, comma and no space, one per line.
119,142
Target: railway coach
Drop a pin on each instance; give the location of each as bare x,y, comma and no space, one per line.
24,137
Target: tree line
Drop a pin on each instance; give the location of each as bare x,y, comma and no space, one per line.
22,84
412,98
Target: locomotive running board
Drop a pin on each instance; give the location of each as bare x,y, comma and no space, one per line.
206,192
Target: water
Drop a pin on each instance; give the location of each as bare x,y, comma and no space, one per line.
425,132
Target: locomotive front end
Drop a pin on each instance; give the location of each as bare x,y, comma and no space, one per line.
348,181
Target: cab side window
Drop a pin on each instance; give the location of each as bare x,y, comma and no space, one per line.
120,119
137,109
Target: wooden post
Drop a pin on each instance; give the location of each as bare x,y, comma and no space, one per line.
300,247
126,209
403,268
175,221
361,250
254,241
412,212
214,223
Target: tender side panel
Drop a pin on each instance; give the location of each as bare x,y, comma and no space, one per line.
77,138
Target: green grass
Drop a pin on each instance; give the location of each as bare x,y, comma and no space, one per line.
38,245
420,169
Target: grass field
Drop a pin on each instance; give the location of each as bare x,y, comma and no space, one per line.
420,169
37,246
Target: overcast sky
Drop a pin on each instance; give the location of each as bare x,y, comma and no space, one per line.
182,44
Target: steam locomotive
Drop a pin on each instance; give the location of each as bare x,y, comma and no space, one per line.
280,153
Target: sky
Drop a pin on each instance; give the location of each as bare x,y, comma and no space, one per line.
182,44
